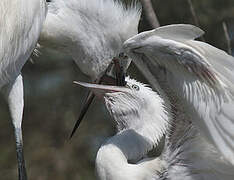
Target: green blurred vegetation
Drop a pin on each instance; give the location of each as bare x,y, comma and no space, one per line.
52,103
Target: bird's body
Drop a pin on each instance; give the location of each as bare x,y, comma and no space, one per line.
142,117
112,162
21,23
91,32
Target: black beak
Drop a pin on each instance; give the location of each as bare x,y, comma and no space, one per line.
119,80
119,73
88,101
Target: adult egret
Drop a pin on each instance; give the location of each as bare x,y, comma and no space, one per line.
199,75
91,32
142,118
21,24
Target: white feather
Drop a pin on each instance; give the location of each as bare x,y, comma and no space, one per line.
21,24
142,119
199,75
191,157
91,32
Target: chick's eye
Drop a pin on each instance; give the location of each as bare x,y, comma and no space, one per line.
135,87
121,55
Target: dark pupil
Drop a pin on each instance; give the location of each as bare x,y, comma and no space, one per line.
135,87
121,55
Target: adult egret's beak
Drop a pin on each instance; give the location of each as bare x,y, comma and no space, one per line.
119,80
88,101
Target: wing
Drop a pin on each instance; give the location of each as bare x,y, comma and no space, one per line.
198,74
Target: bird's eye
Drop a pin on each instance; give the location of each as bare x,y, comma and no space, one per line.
135,87
121,55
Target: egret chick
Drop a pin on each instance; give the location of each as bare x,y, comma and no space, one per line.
141,118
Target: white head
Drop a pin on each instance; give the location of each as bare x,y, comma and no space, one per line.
136,107
142,119
91,31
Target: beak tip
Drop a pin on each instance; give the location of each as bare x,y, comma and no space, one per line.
83,84
76,82
73,131
70,137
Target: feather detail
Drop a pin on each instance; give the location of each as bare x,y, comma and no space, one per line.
199,75
91,32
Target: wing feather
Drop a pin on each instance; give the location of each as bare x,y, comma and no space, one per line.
179,32
198,74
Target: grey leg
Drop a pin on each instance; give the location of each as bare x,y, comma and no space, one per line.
15,97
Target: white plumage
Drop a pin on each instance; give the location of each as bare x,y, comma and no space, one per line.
188,154
21,24
198,74
91,32
141,119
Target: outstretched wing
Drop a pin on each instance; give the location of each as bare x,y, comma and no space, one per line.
198,74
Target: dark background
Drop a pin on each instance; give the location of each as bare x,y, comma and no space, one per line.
52,102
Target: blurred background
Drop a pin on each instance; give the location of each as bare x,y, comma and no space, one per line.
53,102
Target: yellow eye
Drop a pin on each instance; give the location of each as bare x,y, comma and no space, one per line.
135,87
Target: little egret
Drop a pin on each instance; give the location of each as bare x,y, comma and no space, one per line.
142,118
91,32
199,75
21,23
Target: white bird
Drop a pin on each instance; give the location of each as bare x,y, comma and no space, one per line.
91,32
21,24
195,73
142,117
